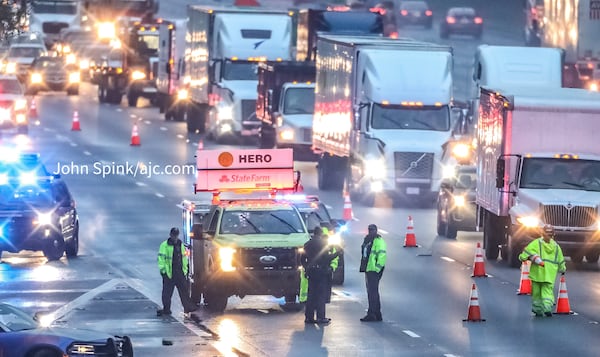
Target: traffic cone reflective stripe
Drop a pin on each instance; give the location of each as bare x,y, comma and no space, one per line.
135,136
474,312
525,284
479,265
347,214
563,306
75,126
410,240
33,113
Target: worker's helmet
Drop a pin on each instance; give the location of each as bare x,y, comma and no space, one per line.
174,232
548,229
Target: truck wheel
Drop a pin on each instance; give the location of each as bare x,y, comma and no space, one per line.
178,113
576,258
339,273
102,93
322,176
592,257
72,245
215,301
73,91
491,239
451,230
441,225
266,137
193,118
132,100
55,248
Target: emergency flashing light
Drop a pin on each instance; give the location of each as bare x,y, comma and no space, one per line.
3,179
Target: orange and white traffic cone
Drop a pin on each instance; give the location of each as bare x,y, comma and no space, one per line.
410,240
135,136
347,215
474,312
75,126
525,284
563,306
479,265
33,113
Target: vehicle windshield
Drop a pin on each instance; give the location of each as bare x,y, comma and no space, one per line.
413,5
299,101
50,63
261,222
15,319
148,43
558,173
240,71
467,179
27,52
10,86
55,7
355,22
410,118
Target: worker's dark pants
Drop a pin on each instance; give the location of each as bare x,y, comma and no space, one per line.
372,280
169,285
317,294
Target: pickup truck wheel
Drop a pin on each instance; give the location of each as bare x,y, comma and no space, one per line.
178,113
72,245
73,91
441,225
55,248
577,258
45,352
102,95
196,292
592,257
215,301
451,231
132,100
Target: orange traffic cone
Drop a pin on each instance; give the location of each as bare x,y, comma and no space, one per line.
410,240
135,136
200,145
474,313
347,215
75,126
33,113
479,265
525,285
563,306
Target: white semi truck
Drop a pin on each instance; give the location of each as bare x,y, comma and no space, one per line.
539,163
223,50
572,25
172,92
380,119
48,17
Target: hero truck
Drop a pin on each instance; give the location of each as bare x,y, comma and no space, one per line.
380,121
243,246
539,163
572,26
224,48
285,105
172,92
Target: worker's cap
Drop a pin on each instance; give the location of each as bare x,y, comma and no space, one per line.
372,227
548,229
174,232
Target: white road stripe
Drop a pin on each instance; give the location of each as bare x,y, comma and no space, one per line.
141,184
84,299
411,334
163,128
450,355
87,153
133,116
180,136
447,259
159,195
383,231
119,109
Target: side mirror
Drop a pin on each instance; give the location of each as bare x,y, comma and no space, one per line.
500,170
196,233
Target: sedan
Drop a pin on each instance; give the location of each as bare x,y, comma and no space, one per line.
461,20
23,335
415,13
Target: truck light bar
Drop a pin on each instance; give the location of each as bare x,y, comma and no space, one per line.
566,156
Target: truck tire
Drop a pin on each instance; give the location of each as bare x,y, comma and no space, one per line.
102,92
451,230
178,113
196,118
72,245
113,96
331,172
576,258
196,291
491,236
592,257
215,301
441,225
267,137
55,248
73,91
132,99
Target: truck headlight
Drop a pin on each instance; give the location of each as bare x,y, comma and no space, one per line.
71,59
459,201
36,78
594,87
529,221
375,168
335,239
226,258
182,94
225,113
138,75
287,134
84,64
20,104
11,68
44,219
74,77
448,171
461,151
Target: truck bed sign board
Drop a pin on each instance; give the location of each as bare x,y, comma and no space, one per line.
261,169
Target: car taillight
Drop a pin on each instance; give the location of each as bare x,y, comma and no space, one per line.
428,13
394,35
404,12
450,20
478,20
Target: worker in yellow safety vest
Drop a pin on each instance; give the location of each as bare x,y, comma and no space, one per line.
304,281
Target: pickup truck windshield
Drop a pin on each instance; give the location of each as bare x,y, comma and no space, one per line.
299,101
396,117
261,222
55,7
567,174
240,71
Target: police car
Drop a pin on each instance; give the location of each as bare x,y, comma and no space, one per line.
37,211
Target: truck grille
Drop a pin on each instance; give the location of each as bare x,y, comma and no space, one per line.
248,110
268,258
413,165
54,27
307,135
569,216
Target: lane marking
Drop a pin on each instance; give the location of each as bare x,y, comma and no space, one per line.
73,144
447,259
180,136
87,153
411,334
141,184
163,128
159,195
383,231
450,355
83,299
132,116
119,109
147,122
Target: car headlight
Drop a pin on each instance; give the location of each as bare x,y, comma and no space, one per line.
106,30
74,77
84,64
138,75
375,168
71,59
44,219
287,134
529,221
36,78
225,113
182,94
335,239
20,104
66,49
226,258
459,201
11,68
27,178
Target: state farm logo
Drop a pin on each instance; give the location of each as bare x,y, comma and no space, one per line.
224,178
